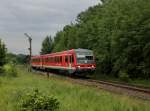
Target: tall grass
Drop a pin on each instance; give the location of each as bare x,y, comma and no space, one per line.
72,97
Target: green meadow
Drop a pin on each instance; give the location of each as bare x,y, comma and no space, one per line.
72,97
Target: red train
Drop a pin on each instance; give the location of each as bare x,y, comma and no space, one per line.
71,61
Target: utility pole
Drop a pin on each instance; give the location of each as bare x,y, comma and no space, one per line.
30,48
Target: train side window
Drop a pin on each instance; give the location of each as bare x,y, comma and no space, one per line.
50,59
72,58
60,58
53,59
46,59
56,59
66,58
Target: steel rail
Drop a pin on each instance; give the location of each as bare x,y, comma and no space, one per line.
121,85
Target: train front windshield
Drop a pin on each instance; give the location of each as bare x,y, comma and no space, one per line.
85,57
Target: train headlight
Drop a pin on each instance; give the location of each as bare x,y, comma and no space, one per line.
78,66
92,66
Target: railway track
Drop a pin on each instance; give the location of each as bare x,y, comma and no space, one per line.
126,86
120,88
129,90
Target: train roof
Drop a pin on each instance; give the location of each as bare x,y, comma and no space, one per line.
62,52
82,50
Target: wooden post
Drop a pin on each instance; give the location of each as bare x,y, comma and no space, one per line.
47,74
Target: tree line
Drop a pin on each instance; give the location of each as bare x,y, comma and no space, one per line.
118,31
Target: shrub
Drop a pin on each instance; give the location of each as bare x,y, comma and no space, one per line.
0,82
1,71
124,76
36,101
10,70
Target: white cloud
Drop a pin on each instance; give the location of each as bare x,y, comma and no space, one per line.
37,17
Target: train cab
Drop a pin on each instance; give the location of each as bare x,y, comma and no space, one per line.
85,61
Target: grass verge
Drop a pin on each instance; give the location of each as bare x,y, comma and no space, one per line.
72,97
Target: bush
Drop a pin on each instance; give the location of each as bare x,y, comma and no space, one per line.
1,71
35,101
10,70
0,82
123,76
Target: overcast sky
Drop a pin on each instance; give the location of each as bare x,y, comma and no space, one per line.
38,18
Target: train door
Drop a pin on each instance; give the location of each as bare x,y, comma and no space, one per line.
66,61
71,60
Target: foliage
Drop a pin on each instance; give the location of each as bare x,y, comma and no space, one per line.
47,45
35,101
22,59
124,76
16,58
118,33
11,58
10,70
2,53
2,71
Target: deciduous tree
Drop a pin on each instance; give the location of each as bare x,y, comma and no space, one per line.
47,45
